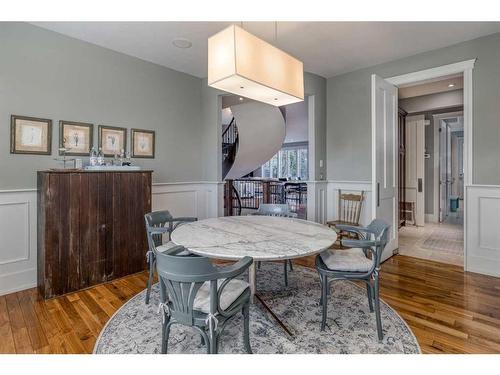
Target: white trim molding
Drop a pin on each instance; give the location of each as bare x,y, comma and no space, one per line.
317,201
198,199
18,224
465,67
18,233
437,72
482,235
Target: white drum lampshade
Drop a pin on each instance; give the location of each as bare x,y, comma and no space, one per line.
242,64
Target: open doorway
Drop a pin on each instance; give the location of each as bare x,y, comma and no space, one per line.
431,169
264,161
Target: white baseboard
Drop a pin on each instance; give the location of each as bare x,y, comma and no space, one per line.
18,224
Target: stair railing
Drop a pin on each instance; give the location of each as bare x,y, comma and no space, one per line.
230,141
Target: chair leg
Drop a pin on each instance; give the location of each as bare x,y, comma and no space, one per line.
321,294
258,265
246,328
291,264
150,278
285,268
324,288
212,343
377,309
165,335
369,293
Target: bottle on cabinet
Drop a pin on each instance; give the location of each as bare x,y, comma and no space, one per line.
93,157
100,157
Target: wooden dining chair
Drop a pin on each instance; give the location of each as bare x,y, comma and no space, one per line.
349,212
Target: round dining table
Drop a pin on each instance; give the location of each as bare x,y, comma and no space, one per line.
264,238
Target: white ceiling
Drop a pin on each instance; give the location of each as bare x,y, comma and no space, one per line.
433,86
326,48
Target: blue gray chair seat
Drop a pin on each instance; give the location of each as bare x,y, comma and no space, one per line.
164,224
281,210
350,260
168,245
195,293
360,262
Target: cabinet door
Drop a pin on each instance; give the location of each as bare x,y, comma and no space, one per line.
92,230
129,198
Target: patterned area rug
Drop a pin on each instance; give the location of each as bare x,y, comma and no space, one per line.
136,327
450,240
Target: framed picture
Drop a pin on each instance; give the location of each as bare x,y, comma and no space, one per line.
76,137
143,143
112,140
30,135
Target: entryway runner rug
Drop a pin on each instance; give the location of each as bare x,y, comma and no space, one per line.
136,328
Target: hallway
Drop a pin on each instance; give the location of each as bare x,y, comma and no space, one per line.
438,242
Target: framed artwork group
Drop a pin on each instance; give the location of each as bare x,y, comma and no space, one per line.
33,135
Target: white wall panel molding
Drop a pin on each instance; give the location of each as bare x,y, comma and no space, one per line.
18,251
354,187
199,199
482,237
317,196
18,224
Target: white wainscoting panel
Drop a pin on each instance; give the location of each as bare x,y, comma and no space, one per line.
349,187
483,229
316,201
18,224
198,199
17,240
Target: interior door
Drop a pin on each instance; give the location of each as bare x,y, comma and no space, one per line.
443,170
384,160
415,166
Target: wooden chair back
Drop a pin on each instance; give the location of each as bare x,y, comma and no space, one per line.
349,207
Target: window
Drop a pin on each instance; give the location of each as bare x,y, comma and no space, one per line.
289,162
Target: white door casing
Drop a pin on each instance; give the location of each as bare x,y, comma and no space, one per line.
384,160
466,67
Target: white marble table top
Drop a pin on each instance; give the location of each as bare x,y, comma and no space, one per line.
260,237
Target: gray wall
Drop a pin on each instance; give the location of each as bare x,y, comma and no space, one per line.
45,74
316,85
349,112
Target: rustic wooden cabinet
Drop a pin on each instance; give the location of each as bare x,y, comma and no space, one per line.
90,228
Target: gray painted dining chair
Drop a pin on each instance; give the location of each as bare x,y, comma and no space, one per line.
281,210
360,262
195,293
161,222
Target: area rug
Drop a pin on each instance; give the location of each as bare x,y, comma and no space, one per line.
449,240
136,327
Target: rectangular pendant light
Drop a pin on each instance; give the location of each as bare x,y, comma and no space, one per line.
242,64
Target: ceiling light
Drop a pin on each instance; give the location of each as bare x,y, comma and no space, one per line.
241,99
182,43
451,85
242,64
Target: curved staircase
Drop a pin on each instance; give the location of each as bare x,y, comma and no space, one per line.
255,134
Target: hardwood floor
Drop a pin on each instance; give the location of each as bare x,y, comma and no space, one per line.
448,310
